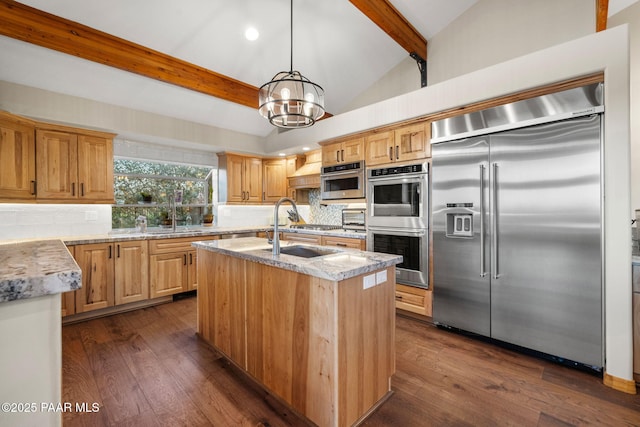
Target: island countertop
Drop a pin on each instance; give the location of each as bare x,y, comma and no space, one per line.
338,265
36,268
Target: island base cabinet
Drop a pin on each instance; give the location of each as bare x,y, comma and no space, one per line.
326,348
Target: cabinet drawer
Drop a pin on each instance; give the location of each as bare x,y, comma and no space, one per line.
415,300
163,246
304,238
343,242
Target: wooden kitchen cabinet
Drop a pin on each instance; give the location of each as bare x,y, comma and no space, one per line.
312,239
274,180
173,265
240,178
73,166
131,271
97,264
411,142
17,158
112,274
344,242
351,150
415,300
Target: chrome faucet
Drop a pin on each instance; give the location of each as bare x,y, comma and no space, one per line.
276,236
176,193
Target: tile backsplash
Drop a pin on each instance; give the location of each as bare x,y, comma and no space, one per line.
31,221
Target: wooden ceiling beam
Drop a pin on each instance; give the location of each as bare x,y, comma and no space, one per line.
602,12
31,25
387,17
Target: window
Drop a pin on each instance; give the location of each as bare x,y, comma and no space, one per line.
147,188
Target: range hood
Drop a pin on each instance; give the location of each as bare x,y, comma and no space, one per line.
307,175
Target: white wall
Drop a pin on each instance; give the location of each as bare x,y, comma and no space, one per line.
133,124
631,16
30,359
493,31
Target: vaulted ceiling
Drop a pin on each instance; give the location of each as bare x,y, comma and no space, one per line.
160,51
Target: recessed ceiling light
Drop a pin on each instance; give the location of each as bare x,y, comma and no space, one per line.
281,154
251,34
305,148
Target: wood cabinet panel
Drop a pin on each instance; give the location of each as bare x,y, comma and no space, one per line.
413,299
74,167
57,165
407,143
413,142
221,309
348,151
274,175
240,178
168,274
95,168
366,364
192,269
97,264
313,239
17,159
344,242
253,179
131,271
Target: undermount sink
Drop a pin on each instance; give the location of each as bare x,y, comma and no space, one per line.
304,251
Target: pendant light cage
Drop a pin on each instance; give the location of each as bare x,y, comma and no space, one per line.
290,100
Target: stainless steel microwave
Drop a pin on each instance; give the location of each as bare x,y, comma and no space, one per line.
344,181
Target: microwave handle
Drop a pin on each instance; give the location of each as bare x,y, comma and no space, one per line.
349,172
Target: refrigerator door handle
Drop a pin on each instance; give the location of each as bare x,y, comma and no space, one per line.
494,242
483,272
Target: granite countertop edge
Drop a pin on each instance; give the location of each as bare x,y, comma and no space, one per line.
37,268
340,265
122,235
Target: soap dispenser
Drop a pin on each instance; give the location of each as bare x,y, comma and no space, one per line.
141,224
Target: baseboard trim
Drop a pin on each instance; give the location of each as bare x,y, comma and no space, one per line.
620,384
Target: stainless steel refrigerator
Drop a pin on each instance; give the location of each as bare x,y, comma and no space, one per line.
517,227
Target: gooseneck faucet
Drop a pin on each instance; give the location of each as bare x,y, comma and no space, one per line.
276,237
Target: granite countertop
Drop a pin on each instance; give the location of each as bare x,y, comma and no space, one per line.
37,268
160,233
338,265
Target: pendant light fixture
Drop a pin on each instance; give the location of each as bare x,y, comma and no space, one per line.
290,100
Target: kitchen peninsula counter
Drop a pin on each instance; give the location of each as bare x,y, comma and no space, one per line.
316,333
36,268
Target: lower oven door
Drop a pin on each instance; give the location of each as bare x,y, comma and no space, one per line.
412,244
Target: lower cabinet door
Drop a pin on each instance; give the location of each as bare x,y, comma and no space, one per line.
131,271
168,274
96,263
193,270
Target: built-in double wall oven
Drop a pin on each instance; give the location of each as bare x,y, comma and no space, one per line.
398,218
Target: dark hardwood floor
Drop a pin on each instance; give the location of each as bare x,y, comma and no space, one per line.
148,368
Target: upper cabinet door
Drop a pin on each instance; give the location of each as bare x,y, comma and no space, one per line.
253,179
274,176
412,142
95,168
57,165
353,150
379,148
17,160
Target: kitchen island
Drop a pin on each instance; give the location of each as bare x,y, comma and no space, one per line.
317,332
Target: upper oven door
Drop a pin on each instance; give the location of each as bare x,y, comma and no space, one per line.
399,201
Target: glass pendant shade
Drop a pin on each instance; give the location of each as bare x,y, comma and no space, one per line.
290,100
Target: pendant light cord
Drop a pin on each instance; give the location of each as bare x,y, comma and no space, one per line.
291,39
